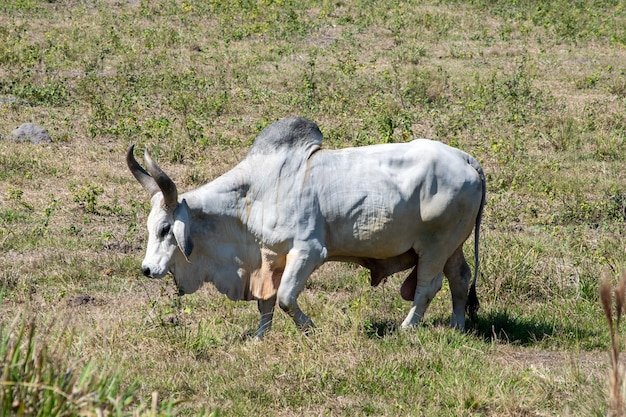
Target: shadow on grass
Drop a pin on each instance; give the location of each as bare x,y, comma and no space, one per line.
380,329
502,326
524,331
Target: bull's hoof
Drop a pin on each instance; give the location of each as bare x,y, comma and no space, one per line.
458,326
307,328
408,325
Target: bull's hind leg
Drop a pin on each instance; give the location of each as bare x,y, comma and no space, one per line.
424,294
429,277
458,273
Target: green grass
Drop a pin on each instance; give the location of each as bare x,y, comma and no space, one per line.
534,90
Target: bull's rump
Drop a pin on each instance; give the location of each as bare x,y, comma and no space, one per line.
380,201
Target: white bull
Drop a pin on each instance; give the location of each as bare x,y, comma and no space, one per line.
258,231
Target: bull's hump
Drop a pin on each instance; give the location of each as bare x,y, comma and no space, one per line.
295,133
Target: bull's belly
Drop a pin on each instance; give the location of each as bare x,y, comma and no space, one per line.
385,241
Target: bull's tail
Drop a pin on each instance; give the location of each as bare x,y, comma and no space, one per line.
472,300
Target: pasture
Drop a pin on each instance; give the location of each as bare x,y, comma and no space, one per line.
536,91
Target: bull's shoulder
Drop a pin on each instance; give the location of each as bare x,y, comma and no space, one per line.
290,134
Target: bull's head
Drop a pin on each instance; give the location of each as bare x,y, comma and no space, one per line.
168,222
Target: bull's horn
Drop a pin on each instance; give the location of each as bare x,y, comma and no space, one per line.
146,181
165,184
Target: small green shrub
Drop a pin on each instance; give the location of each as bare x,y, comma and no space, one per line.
87,196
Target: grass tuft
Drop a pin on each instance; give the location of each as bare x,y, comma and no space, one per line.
40,378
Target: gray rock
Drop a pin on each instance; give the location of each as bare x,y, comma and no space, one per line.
30,132
12,100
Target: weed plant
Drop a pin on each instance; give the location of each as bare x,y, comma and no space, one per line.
40,379
534,90
609,296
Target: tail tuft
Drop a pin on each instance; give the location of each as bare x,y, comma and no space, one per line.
473,304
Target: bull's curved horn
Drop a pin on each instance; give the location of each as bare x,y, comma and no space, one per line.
165,184
146,181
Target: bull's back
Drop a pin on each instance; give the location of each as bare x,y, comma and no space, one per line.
378,201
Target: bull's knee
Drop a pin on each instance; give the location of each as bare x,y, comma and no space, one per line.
286,300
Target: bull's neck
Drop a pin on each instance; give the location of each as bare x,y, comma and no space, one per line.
220,197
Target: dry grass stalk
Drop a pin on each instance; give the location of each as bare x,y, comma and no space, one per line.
616,406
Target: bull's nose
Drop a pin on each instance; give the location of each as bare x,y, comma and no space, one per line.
146,271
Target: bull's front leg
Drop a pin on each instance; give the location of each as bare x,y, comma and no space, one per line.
266,310
300,264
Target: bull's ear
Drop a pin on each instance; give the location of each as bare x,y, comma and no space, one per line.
181,229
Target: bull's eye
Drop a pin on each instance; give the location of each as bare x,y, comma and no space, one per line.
164,230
